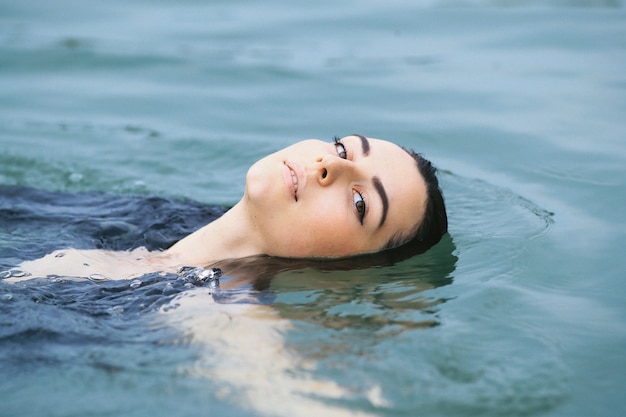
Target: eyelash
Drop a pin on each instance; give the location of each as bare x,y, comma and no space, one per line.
358,199
359,205
343,154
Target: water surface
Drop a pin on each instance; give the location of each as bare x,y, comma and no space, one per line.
521,105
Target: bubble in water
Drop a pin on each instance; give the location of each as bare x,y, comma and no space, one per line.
116,310
13,273
200,276
136,283
169,289
75,177
6,297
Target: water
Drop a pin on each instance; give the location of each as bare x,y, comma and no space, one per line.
519,312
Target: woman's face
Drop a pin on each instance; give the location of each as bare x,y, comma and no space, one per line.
327,199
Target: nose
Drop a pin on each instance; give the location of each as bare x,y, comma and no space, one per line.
330,168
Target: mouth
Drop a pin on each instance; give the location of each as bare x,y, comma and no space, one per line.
294,178
291,178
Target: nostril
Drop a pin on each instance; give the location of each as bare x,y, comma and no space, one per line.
324,173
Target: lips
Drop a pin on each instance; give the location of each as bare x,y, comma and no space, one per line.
294,176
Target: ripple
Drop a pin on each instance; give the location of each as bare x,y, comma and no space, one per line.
488,211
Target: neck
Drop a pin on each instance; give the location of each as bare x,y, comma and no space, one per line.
231,236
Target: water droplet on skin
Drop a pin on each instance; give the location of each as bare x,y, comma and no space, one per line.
59,255
98,277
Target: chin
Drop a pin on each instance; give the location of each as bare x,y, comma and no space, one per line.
256,183
261,193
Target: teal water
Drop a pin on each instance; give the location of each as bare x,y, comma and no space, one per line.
521,104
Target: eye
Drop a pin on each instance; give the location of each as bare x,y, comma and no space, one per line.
359,205
341,149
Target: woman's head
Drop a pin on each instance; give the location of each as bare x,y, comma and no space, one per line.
335,199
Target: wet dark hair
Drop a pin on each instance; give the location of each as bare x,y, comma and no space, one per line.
259,270
434,223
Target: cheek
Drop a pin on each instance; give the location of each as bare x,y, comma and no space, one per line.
325,236
319,227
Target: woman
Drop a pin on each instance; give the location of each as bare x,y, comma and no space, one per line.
314,199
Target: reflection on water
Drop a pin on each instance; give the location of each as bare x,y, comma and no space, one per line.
372,299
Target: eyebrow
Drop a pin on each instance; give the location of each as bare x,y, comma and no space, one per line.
383,197
365,144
